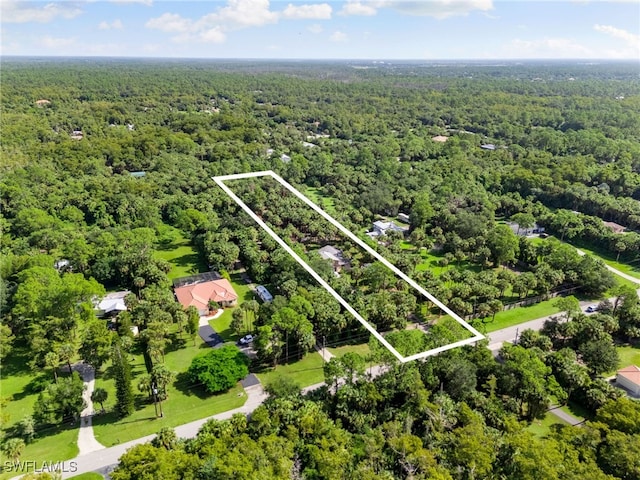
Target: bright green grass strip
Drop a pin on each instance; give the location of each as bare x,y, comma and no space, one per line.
88,476
541,428
361,349
628,356
515,316
623,267
17,384
183,258
305,372
317,196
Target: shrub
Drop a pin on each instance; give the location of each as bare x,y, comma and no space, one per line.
219,369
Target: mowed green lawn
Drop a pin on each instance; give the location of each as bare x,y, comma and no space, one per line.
185,404
182,256
515,316
305,372
19,386
317,196
541,428
222,324
628,355
361,349
632,270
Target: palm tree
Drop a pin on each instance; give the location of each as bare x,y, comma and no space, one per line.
14,448
100,395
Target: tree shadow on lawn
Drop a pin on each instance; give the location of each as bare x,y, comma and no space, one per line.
17,363
35,386
177,343
192,260
186,386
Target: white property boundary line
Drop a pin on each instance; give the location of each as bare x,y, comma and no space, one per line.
477,335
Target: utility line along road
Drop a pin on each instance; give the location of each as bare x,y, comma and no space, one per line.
105,459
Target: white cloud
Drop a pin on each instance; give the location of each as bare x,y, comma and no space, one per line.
338,36
358,8
213,35
318,11
115,25
244,13
315,28
148,3
631,38
234,15
169,22
23,12
52,42
439,9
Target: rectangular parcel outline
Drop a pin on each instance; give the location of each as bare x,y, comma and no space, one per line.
268,173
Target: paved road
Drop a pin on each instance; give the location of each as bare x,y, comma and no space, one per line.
105,460
564,416
615,271
509,334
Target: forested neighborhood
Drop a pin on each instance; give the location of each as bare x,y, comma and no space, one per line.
138,298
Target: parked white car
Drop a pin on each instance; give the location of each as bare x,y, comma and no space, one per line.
246,340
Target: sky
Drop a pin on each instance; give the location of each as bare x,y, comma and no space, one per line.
308,29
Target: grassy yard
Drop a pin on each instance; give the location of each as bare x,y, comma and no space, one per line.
515,316
317,196
541,428
634,271
53,444
305,372
182,256
628,356
20,387
185,403
222,324
361,349
88,476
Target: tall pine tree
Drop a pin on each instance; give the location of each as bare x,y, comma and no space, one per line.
124,392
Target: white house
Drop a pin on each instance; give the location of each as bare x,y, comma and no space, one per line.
381,228
629,378
111,304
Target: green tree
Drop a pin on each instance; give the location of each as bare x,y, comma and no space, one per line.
60,401
147,462
621,414
193,323
219,369
503,244
52,360
569,305
96,344
14,448
122,373
99,395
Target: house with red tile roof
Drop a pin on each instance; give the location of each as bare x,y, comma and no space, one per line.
629,378
200,294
